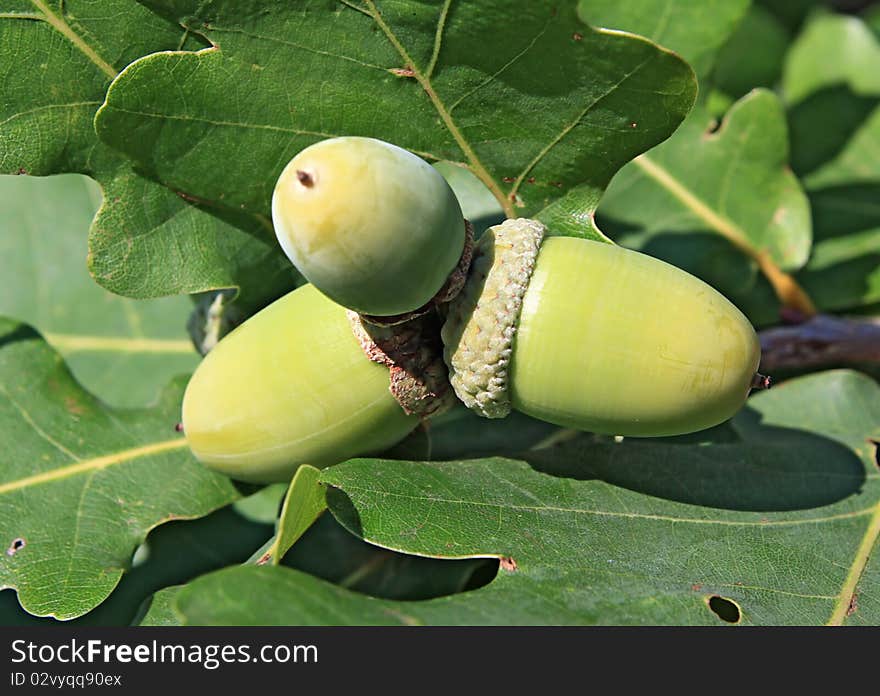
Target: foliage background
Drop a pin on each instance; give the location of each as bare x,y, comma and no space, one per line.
163,126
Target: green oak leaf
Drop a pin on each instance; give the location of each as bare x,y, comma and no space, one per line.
327,551
120,350
781,526
694,30
543,110
790,13
83,483
707,195
832,81
835,127
832,49
844,269
857,160
303,504
753,55
146,241
174,552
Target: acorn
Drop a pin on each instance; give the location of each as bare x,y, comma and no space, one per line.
591,336
371,225
291,385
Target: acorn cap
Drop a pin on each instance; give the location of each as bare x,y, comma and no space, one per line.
481,322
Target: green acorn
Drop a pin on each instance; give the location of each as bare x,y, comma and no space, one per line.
371,225
291,385
594,337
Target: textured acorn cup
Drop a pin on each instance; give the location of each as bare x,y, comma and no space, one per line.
595,337
371,225
290,386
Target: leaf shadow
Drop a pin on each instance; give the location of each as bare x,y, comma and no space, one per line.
771,469
821,125
19,332
845,221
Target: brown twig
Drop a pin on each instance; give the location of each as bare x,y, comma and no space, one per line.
820,340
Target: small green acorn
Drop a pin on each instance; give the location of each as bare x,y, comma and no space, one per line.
291,385
594,337
371,225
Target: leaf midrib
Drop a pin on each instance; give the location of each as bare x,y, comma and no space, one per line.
68,33
78,343
423,78
93,464
786,288
857,569
609,513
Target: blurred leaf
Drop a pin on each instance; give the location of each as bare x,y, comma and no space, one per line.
835,128
872,19
831,124
753,56
844,269
263,506
791,13
858,160
478,204
119,349
832,49
705,197
694,30
82,483
545,112
781,523
146,241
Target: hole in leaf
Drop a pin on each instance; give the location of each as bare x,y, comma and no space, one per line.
876,444
724,609
713,128
15,546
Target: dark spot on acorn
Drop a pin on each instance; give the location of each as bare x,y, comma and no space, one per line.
305,178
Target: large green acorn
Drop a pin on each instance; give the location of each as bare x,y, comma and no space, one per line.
371,225
595,337
291,385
